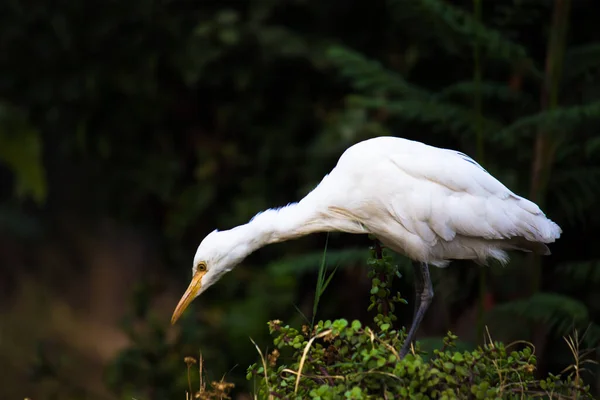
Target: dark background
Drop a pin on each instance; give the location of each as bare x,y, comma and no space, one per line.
129,130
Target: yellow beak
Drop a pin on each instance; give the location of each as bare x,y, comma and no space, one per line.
188,296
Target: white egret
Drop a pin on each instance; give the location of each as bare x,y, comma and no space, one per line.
431,204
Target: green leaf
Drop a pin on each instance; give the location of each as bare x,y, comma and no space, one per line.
320,281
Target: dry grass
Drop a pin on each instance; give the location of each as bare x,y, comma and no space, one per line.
579,356
264,363
525,391
219,390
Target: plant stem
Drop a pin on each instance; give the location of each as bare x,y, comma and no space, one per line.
477,105
378,250
382,277
546,142
477,77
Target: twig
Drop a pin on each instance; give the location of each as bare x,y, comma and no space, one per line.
264,363
303,359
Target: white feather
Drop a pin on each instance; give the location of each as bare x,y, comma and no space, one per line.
433,205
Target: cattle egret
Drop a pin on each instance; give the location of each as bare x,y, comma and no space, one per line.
430,204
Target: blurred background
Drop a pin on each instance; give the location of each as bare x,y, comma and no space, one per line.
129,130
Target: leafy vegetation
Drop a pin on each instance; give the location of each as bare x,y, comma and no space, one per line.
340,359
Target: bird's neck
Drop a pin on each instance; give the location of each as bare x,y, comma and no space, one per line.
273,226
286,223
314,213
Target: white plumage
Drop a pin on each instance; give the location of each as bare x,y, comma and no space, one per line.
430,204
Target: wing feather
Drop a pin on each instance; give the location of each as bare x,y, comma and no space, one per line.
453,195
445,205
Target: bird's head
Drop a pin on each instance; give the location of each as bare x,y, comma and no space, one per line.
217,254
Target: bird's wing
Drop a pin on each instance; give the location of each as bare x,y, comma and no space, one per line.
453,170
442,193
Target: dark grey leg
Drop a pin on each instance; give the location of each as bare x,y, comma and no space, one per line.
423,297
419,285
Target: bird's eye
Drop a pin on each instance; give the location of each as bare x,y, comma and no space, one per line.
201,267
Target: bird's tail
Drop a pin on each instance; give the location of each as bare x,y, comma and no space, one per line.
539,229
535,232
522,244
533,224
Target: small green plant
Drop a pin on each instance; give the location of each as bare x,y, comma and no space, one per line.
346,360
382,272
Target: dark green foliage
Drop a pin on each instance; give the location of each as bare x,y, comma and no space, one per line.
560,119
576,191
581,273
456,28
442,117
382,272
584,61
341,359
488,90
446,109
148,366
370,76
310,262
175,118
560,313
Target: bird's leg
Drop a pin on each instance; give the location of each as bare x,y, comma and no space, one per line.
418,282
423,297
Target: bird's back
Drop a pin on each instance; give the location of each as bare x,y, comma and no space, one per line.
432,204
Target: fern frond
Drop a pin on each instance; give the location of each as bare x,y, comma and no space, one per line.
574,208
577,191
559,312
488,90
582,273
444,19
580,60
592,146
587,178
591,335
370,76
442,116
563,118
